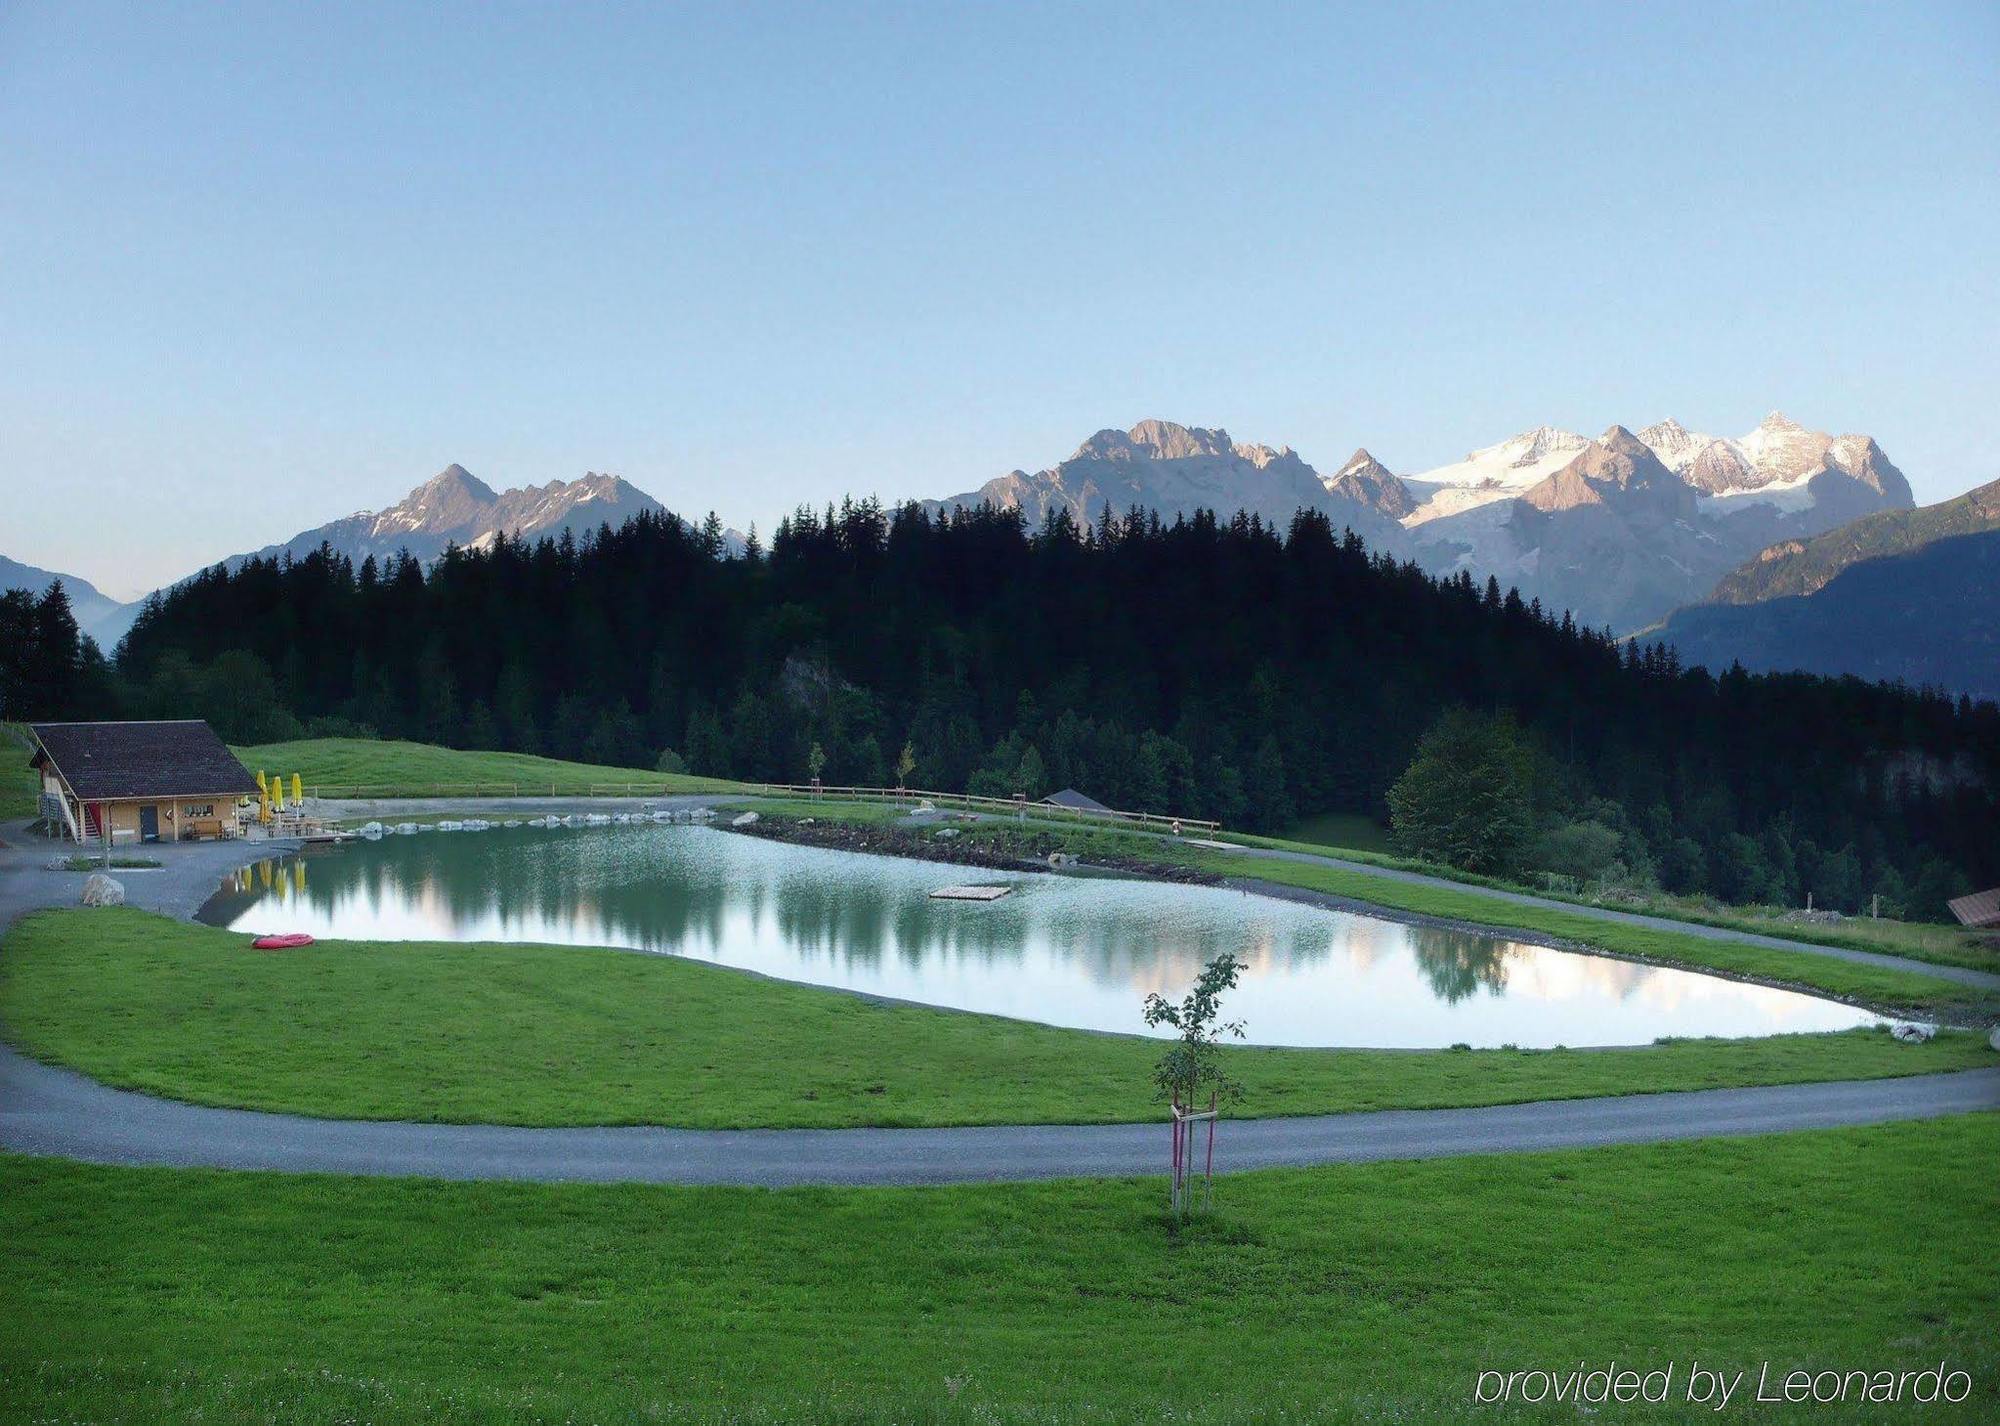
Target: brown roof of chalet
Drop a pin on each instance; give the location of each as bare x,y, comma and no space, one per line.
109,762
1982,908
1076,801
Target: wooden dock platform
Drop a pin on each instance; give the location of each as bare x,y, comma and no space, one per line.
970,893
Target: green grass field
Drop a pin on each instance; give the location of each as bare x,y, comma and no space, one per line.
20,785
1371,1293
564,1035
390,768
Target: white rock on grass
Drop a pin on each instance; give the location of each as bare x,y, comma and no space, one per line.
943,833
743,819
1994,1038
101,890
1911,1033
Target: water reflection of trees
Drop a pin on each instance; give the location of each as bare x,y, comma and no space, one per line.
680,889
1458,963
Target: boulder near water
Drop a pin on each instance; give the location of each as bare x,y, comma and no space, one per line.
101,890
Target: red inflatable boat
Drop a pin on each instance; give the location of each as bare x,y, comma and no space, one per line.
282,943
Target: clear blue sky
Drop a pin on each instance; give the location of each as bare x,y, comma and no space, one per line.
264,266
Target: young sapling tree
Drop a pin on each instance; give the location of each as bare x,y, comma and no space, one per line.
1193,1061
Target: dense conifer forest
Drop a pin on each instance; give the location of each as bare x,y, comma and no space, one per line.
1211,667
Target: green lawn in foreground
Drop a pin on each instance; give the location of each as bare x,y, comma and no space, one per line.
420,770
1366,1293
564,1035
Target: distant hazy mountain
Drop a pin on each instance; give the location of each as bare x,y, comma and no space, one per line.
1806,566
1175,469
452,507
97,613
456,507
1927,616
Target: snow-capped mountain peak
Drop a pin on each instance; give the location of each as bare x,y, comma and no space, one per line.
1362,463
457,507
1496,472
1544,442
1673,443
1368,481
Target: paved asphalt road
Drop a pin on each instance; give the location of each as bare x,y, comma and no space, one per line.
44,1110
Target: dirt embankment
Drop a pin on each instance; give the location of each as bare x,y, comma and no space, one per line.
994,849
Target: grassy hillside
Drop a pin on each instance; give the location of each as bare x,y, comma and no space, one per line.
18,783
389,768
1928,617
568,1035
1370,1293
1804,566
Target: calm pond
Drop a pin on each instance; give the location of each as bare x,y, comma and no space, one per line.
1067,950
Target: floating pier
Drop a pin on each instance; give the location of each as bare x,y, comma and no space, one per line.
970,893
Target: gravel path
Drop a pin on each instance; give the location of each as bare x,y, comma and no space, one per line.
44,1110
188,874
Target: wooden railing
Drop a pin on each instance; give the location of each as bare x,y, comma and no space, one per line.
909,797
1018,806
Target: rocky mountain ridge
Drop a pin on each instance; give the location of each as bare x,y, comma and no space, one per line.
1620,530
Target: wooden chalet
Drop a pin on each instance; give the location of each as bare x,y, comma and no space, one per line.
139,782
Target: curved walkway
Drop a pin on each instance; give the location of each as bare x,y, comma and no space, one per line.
44,1110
